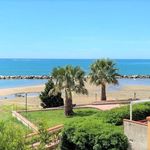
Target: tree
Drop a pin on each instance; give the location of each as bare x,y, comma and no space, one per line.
103,72
48,98
69,79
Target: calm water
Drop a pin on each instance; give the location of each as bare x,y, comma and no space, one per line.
30,82
45,66
128,82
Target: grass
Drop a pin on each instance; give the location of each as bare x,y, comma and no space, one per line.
56,117
49,118
6,116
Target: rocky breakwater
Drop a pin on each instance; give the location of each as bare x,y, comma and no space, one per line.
134,77
48,77
24,77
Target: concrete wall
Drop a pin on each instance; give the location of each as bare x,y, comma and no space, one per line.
148,120
137,135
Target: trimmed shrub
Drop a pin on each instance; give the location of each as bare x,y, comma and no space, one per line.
48,99
116,116
100,132
92,134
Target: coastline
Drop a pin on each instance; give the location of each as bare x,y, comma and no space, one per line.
49,77
24,77
124,93
24,89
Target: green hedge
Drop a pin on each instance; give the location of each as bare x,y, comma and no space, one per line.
101,131
116,116
92,134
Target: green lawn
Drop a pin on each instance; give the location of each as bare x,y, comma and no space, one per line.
6,116
56,117
49,118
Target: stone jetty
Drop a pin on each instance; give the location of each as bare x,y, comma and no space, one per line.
48,77
134,77
24,77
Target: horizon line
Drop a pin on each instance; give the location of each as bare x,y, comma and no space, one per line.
77,58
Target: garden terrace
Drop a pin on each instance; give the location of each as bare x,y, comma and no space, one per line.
103,128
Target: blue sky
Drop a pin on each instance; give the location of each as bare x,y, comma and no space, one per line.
74,29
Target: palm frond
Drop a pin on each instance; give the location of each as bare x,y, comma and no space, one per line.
103,71
69,77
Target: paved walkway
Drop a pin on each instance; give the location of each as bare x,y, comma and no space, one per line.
103,107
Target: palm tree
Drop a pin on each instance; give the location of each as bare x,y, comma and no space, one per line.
69,79
103,72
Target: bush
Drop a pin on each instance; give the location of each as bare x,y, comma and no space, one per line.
100,132
116,116
48,99
92,134
11,138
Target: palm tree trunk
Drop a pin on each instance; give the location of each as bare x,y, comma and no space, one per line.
103,92
68,103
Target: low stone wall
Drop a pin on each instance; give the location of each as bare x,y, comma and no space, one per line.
25,121
54,142
137,135
52,145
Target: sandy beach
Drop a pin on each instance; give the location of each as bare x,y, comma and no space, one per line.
127,92
26,89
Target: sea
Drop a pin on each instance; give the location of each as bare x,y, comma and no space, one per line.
45,66
14,67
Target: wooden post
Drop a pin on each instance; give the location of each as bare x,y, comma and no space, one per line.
26,105
148,132
130,110
95,96
134,96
